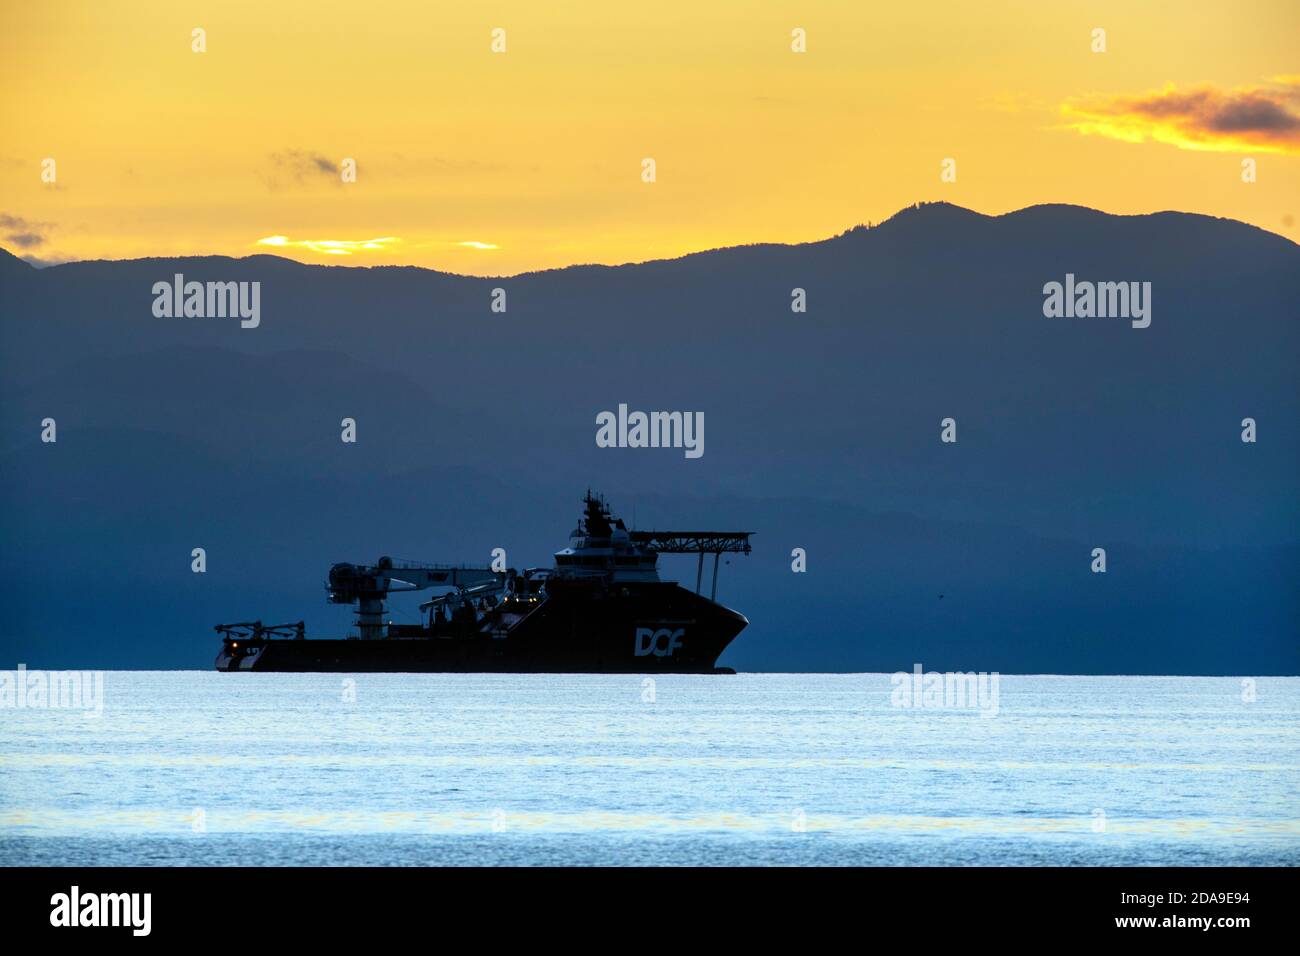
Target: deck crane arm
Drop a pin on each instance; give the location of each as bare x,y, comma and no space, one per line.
367,586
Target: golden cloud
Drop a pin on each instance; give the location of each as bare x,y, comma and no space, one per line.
332,247
1246,119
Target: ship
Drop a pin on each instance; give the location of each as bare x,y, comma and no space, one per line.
601,608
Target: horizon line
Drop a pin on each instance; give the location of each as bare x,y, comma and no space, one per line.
41,265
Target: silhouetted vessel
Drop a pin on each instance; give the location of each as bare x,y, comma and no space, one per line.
601,609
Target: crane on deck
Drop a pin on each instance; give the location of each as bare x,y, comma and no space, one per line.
367,586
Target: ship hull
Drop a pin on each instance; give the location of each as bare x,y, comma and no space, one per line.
650,628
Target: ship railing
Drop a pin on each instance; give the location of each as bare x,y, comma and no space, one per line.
411,565
691,542
256,630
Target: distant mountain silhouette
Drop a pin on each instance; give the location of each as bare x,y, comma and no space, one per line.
476,430
11,265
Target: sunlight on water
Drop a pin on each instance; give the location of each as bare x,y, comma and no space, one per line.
192,767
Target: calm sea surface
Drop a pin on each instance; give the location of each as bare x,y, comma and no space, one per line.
208,768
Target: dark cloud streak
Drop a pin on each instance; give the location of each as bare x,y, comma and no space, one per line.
299,167
1202,118
23,233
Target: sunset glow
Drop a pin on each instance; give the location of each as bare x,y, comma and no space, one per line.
536,153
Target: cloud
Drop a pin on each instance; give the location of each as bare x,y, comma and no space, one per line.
332,247
23,233
300,167
1246,119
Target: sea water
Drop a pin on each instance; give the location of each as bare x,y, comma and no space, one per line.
774,769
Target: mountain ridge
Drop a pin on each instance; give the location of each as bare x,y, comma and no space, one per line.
475,429
924,211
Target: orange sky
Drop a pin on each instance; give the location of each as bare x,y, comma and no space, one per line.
484,162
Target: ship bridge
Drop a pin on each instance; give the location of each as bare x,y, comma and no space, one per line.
602,544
